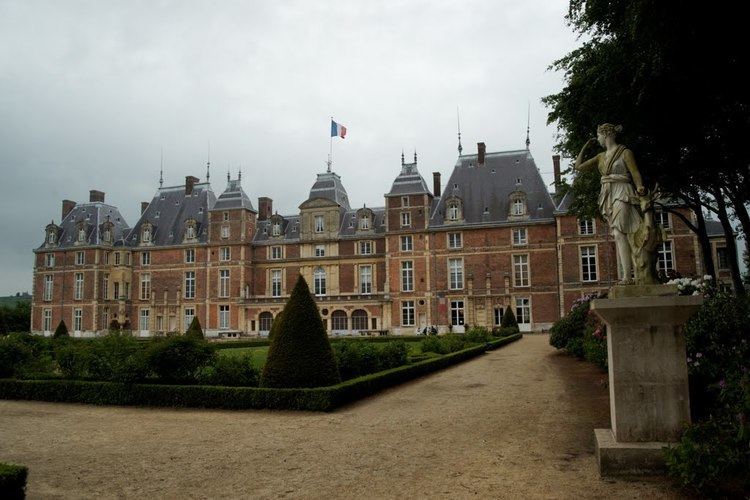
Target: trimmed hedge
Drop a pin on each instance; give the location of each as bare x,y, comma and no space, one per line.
236,344
494,344
233,398
12,481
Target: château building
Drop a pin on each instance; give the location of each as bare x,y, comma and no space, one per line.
492,236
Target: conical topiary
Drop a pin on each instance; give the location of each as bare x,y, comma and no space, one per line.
275,325
509,319
300,354
194,330
61,330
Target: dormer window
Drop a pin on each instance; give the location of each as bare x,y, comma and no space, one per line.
364,222
518,206
365,218
81,232
276,229
191,229
277,225
107,232
147,232
51,231
454,209
51,237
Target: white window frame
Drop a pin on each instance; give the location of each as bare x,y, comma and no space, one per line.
407,275
105,286
225,231
320,223
587,255
276,253
78,286
190,256
225,254
49,260
365,247
77,320
49,286
719,251
145,286
407,243
523,310
405,219
456,274
364,222
408,313
661,216
453,211
145,258
665,256
276,279
586,227
458,312
190,284
520,236
365,279
223,317
519,206
405,201
521,270
276,229
47,320
80,258
187,317
455,241
224,283
144,317
319,281
320,250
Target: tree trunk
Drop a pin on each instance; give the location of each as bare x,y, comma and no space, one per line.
734,267
705,243
741,211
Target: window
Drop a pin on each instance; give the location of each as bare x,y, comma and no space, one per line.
276,229
319,278
664,257
365,247
160,323
339,321
145,287
146,234
223,317
275,253
225,216
225,231
407,276
49,260
499,312
77,320
223,282
663,219
518,207
145,258
48,283
404,201
51,237
523,310
105,318
320,250
520,236
365,279
106,257
457,312
407,243
319,223
78,290
588,263
47,320
117,258
585,227
143,320
190,232
105,286
276,283
520,270
127,259
81,234
189,315
455,240
407,313
722,258
117,291
454,210
224,253
359,319
80,258
406,218
456,272
190,285
190,255
364,222
265,321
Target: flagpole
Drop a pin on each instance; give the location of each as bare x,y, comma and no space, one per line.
330,150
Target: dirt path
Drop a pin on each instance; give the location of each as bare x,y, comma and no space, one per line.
516,422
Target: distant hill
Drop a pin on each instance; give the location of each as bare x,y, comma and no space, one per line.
12,300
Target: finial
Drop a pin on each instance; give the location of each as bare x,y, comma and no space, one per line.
228,178
208,163
528,127
402,157
239,175
458,120
415,156
161,168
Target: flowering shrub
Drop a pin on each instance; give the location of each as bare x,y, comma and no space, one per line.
581,333
693,286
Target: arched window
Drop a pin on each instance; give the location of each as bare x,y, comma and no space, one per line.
359,320
339,321
265,321
319,278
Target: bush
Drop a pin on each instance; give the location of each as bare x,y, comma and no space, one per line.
356,358
116,357
300,353
13,356
74,359
61,330
446,344
595,343
195,330
504,331
230,371
12,481
178,359
477,334
509,319
393,354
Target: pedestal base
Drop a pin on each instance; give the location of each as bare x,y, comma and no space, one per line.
628,459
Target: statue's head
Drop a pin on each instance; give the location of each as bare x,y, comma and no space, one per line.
607,130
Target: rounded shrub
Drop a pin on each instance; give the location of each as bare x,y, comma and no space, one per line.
117,357
13,356
230,371
178,359
300,353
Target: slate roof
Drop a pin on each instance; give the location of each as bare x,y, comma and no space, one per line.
485,190
168,211
94,214
714,228
233,197
409,181
289,231
328,185
350,225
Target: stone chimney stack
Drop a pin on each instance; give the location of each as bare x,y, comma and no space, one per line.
436,184
190,181
144,206
556,169
265,208
481,149
67,206
96,196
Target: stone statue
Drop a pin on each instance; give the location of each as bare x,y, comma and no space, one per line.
628,211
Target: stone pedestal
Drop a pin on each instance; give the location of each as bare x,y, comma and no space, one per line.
648,384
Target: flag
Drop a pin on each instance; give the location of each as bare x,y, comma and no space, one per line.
337,129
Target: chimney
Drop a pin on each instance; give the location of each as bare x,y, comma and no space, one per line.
189,183
481,148
556,169
95,196
144,206
67,206
436,184
265,208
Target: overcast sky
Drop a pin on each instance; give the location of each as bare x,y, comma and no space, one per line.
91,92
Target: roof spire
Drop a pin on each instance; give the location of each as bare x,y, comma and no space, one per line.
208,163
458,119
161,167
239,175
528,126
402,157
228,178
415,156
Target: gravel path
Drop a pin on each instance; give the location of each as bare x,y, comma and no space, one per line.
517,422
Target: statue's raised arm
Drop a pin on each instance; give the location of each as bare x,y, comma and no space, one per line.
590,163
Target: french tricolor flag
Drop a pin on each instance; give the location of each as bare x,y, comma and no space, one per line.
337,130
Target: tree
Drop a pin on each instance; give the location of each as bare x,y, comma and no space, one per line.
300,353
655,68
194,330
509,319
61,331
3,322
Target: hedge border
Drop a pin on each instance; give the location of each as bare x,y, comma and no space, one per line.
233,398
12,480
239,344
